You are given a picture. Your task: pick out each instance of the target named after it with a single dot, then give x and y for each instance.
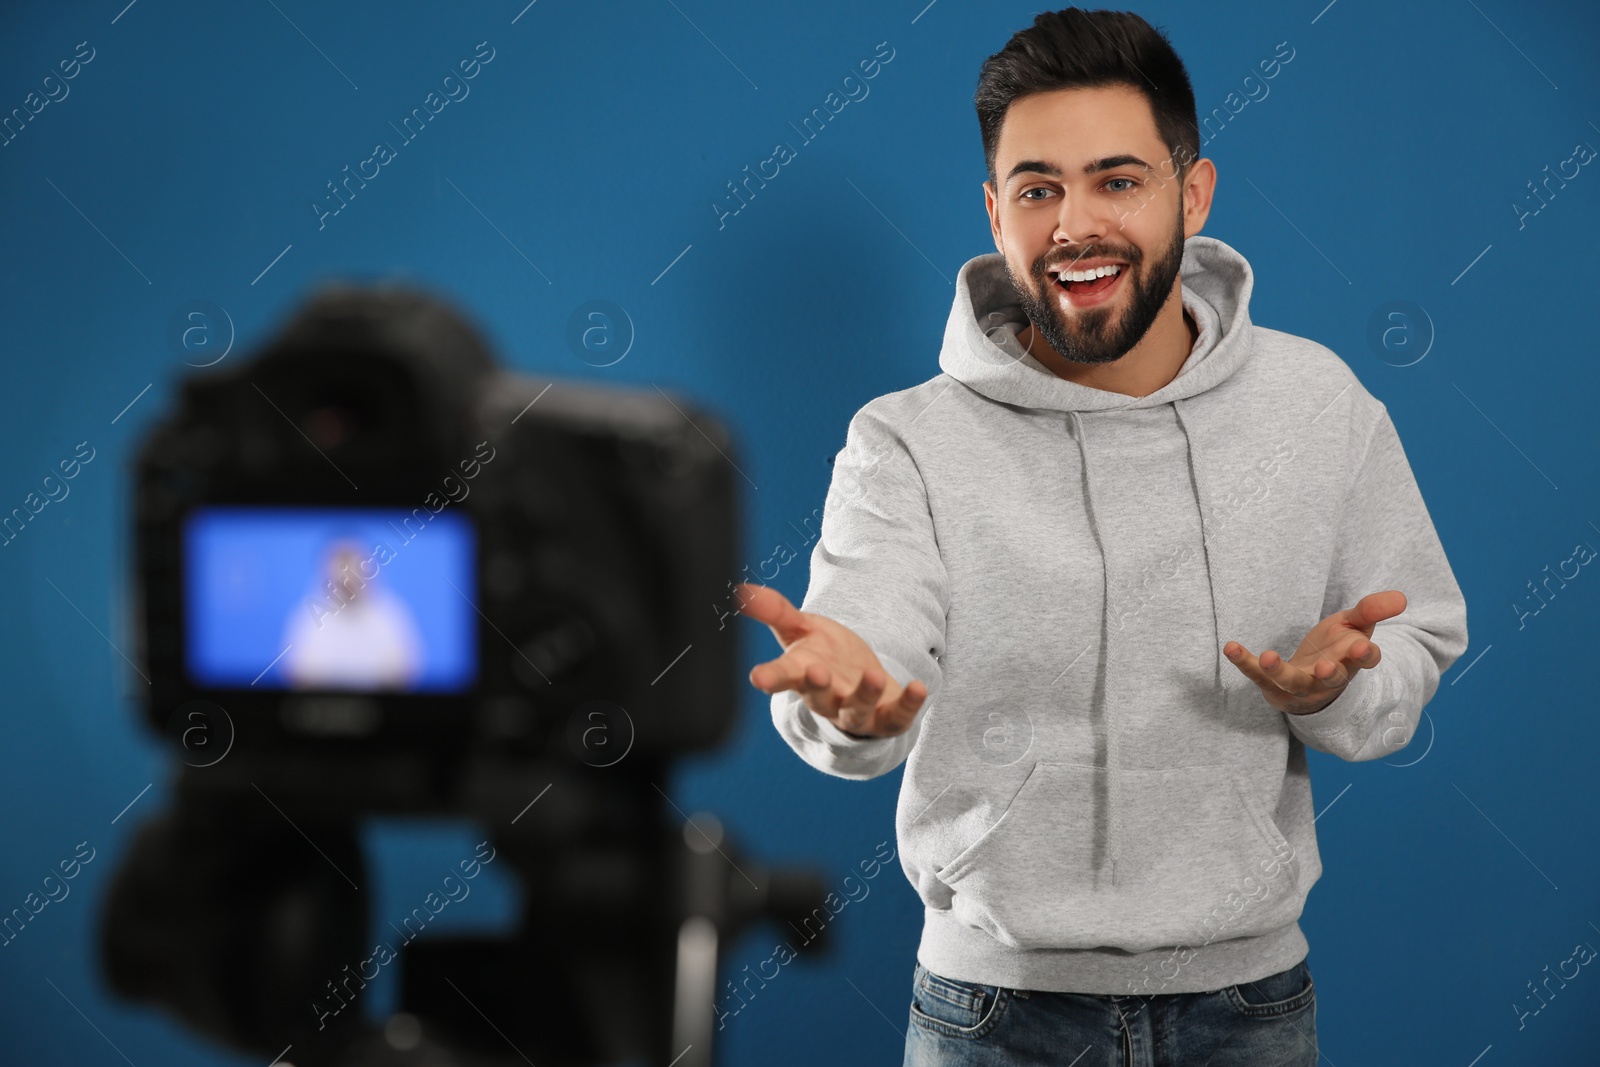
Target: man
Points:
(1042, 574)
(360, 637)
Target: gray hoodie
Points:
(1095, 799)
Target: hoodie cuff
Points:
(839, 739)
(1349, 710)
(838, 750)
(828, 748)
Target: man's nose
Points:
(1081, 220)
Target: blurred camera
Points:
(377, 575)
(371, 547)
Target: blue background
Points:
(247, 569)
(585, 166)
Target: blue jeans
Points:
(1270, 1022)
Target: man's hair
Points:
(1073, 49)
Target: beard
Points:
(1094, 335)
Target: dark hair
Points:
(1074, 48)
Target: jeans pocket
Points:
(955, 1008)
(1277, 994)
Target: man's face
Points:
(1084, 181)
(344, 569)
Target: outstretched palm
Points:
(831, 667)
(1326, 660)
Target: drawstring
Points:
(1113, 829)
(1113, 762)
(1201, 495)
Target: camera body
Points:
(376, 575)
(555, 545)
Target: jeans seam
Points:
(1299, 1002)
(979, 1029)
(955, 991)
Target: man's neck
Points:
(1141, 370)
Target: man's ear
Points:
(992, 205)
(1198, 187)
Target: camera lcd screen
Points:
(354, 599)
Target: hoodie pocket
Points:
(1195, 860)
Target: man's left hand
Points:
(1326, 660)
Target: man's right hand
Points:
(833, 670)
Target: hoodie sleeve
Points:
(1386, 540)
(876, 568)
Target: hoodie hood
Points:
(981, 349)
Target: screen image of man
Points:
(358, 636)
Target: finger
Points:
(1327, 674)
(779, 675)
(912, 697)
(858, 712)
(909, 701)
(816, 685)
(896, 716)
(857, 721)
(1286, 676)
(765, 604)
(1250, 666)
(1361, 654)
(771, 677)
(1374, 608)
(868, 690)
(859, 705)
(1364, 654)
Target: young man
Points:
(1041, 575)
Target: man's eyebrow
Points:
(1039, 166)
(1113, 162)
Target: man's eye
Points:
(1035, 189)
(1130, 185)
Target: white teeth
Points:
(1087, 275)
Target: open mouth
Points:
(1089, 281)
(1091, 286)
